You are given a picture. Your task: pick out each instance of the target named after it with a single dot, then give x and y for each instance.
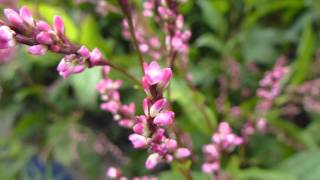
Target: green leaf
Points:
(170, 175)
(91, 36)
(210, 41)
(305, 165)
(84, 86)
(212, 16)
(304, 55)
(261, 174)
(189, 103)
(29, 124)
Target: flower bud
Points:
(37, 50)
(152, 161)
(164, 118)
(26, 15)
(14, 18)
(84, 52)
(6, 37)
(138, 140)
(58, 25)
(158, 106)
(182, 153)
(95, 56)
(44, 38)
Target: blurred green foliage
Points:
(39, 111)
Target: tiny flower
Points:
(96, 56)
(144, 48)
(155, 75)
(113, 173)
(138, 128)
(157, 107)
(84, 52)
(15, 19)
(6, 37)
(182, 153)
(211, 150)
(152, 161)
(171, 144)
(26, 15)
(138, 140)
(111, 106)
(164, 118)
(42, 26)
(37, 50)
(67, 67)
(58, 25)
(44, 38)
(210, 167)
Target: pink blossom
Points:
(152, 161)
(138, 141)
(182, 153)
(37, 50)
(6, 37)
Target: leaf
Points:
(29, 124)
(213, 17)
(305, 165)
(210, 41)
(304, 55)
(196, 117)
(201, 176)
(261, 174)
(169, 175)
(91, 37)
(84, 86)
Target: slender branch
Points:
(124, 72)
(127, 12)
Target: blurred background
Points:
(51, 128)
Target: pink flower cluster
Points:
(21, 27)
(223, 140)
(149, 129)
(115, 173)
(108, 89)
(310, 93)
(167, 13)
(251, 127)
(148, 44)
(270, 85)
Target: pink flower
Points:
(96, 56)
(138, 140)
(15, 19)
(154, 74)
(113, 173)
(171, 144)
(111, 106)
(44, 38)
(152, 161)
(6, 37)
(58, 25)
(37, 50)
(210, 167)
(26, 15)
(68, 67)
(158, 106)
(182, 153)
(164, 118)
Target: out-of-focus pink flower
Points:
(138, 141)
(182, 153)
(6, 37)
(152, 161)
